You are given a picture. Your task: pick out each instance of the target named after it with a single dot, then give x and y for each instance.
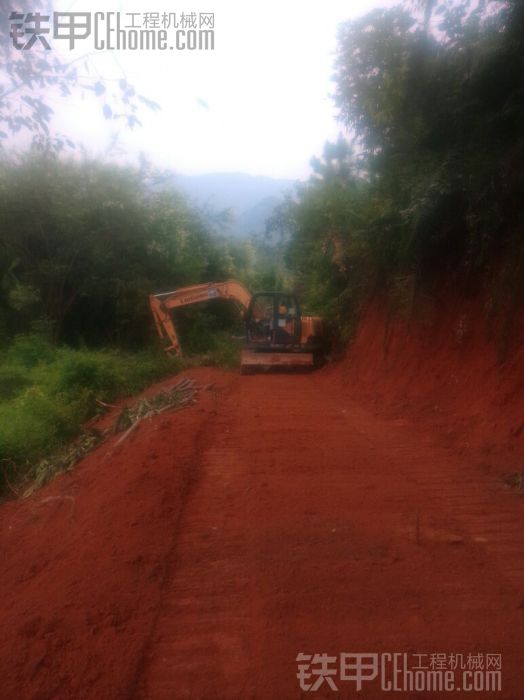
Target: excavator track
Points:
(253, 362)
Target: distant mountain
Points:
(251, 198)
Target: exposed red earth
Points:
(359, 509)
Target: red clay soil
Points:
(278, 515)
(446, 368)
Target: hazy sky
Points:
(259, 103)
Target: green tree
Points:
(84, 244)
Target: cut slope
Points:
(443, 369)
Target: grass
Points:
(223, 352)
(47, 393)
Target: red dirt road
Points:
(276, 516)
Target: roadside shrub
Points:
(47, 393)
(13, 380)
(225, 352)
(98, 372)
(29, 350)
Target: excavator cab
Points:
(272, 321)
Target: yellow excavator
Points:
(276, 334)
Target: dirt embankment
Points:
(444, 368)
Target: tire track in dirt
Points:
(474, 502)
(315, 526)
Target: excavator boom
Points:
(162, 304)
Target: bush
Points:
(225, 352)
(87, 370)
(12, 381)
(35, 423)
(29, 350)
(47, 393)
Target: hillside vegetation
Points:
(427, 193)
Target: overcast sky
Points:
(259, 103)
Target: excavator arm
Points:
(162, 304)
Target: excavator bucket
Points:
(252, 362)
